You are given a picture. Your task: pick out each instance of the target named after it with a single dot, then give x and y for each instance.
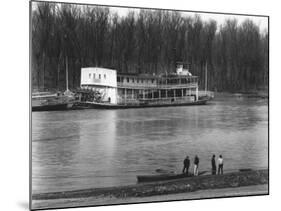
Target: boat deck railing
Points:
(155, 86)
(191, 94)
(164, 100)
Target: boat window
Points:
(128, 80)
(152, 80)
(99, 76)
(104, 76)
(137, 80)
(94, 75)
(89, 75)
(133, 80)
(118, 79)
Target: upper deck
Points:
(103, 77)
(158, 82)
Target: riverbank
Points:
(261, 94)
(201, 194)
(234, 184)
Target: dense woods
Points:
(144, 41)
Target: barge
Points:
(47, 101)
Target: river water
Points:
(100, 148)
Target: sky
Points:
(262, 22)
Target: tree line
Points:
(144, 41)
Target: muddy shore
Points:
(185, 185)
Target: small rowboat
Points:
(161, 177)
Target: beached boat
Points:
(104, 88)
(162, 177)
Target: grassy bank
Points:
(229, 180)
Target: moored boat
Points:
(162, 177)
(53, 101)
(104, 88)
(46, 101)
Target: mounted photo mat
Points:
(134, 105)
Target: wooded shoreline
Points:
(68, 36)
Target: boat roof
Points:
(143, 75)
(98, 68)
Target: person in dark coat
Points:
(196, 165)
(186, 164)
(214, 167)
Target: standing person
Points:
(186, 164)
(220, 163)
(214, 167)
(196, 164)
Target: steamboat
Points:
(106, 89)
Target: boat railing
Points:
(171, 86)
(163, 100)
(136, 85)
(44, 96)
(155, 86)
